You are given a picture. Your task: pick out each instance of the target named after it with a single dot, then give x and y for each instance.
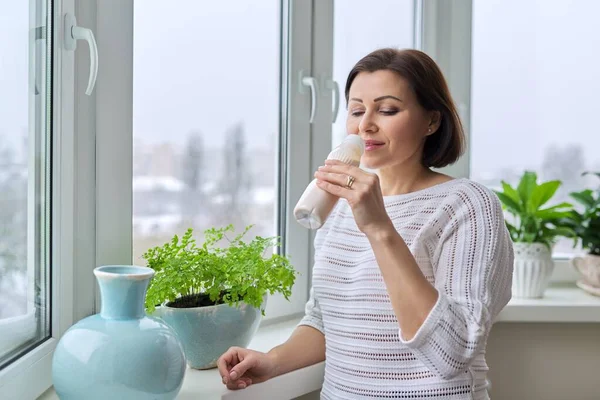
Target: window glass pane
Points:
(206, 118)
(534, 93)
(359, 28)
(25, 133)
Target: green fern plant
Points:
(532, 223)
(586, 224)
(187, 275)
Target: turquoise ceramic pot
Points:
(120, 353)
(207, 332)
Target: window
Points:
(213, 118)
(25, 177)
(206, 120)
(534, 91)
(44, 265)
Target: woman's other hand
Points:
(240, 368)
(364, 194)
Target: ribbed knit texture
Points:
(456, 232)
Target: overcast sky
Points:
(535, 70)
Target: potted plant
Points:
(533, 230)
(214, 296)
(586, 225)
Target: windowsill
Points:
(562, 303)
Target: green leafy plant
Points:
(532, 223)
(586, 224)
(187, 275)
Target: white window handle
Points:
(311, 82)
(39, 35)
(330, 84)
(72, 34)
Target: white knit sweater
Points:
(456, 233)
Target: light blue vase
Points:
(120, 353)
(208, 332)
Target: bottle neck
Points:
(123, 298)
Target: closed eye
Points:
(389, 112)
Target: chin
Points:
(372, 163)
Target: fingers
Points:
(335, 189)
(335, 178)
(226, 362)
(338, 174)
(337, 167)
(241, 383)
(240, 369)
(342, 168)
(232, 366)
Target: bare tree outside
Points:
(193, 159)
(566, 164)
(193, 177)
(235, 183)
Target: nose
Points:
(367, 123)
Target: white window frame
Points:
(295, 175)
(114, 134)
(72, 220)
(322, 64)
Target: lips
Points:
(373, 145)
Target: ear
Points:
(435, 119)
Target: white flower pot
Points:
(533, 267)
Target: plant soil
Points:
(194, 300)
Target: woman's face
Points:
(384, 111)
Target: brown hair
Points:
(446, 145)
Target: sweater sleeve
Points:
(473, 266)
(312, 311)
(312, 314)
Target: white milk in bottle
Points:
(315, 204)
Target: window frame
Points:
(294, 167)
(114, 135)
(72, 226)
(321, 133)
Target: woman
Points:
(412, 266)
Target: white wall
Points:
(544, 361)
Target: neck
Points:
(123, 298)
(404, 178)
